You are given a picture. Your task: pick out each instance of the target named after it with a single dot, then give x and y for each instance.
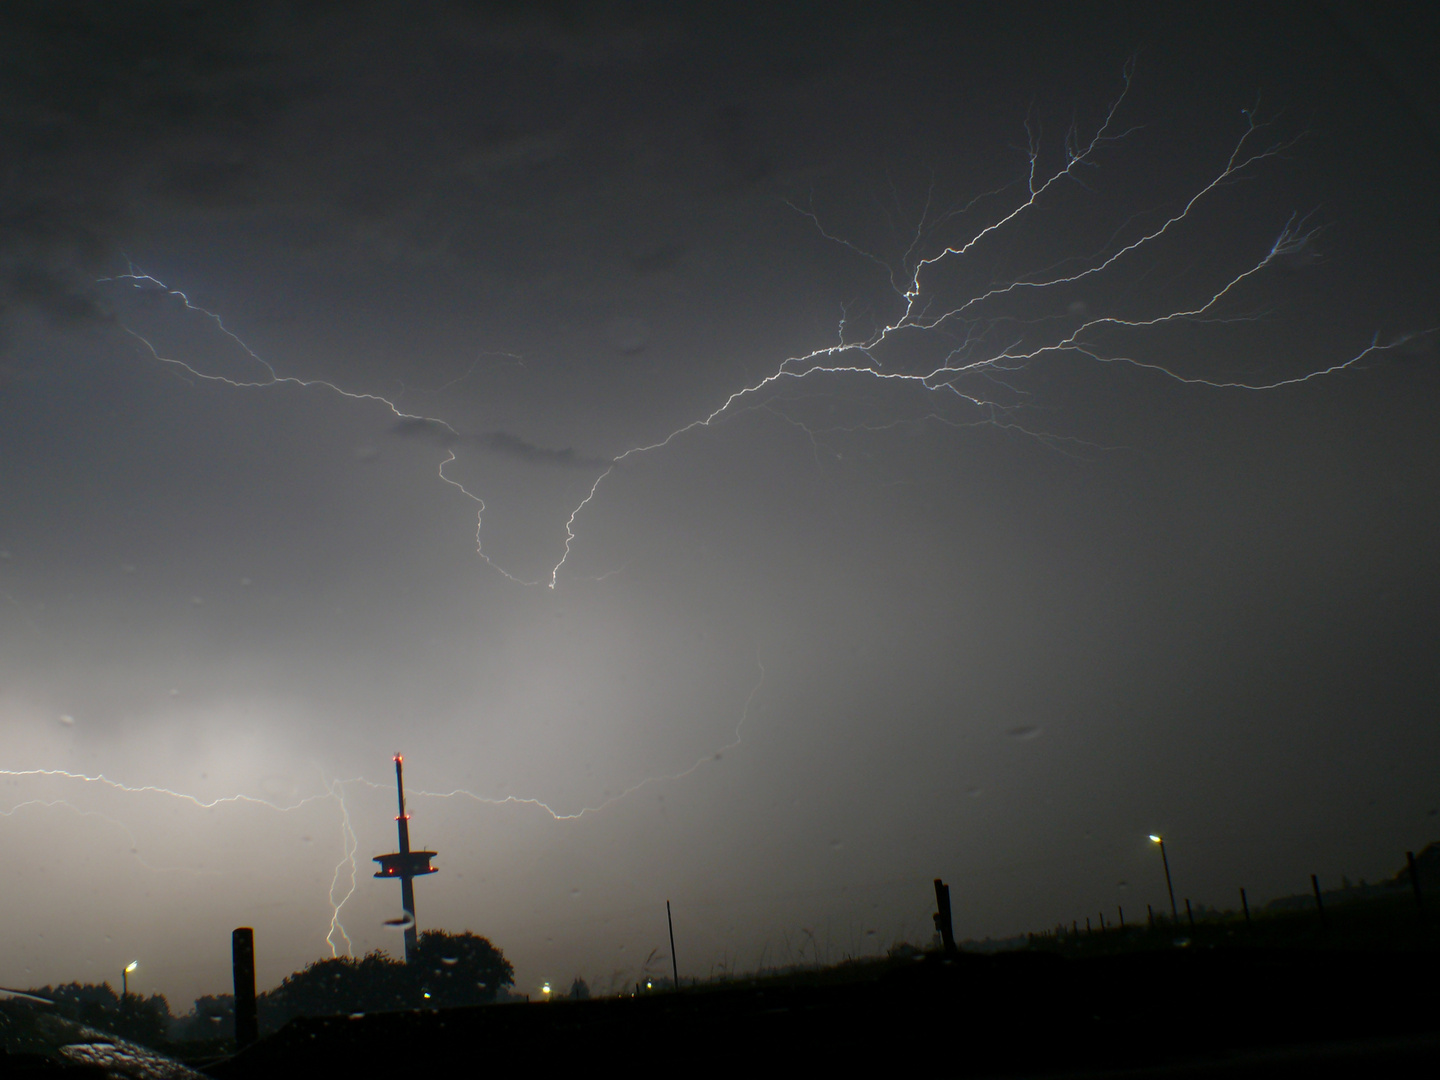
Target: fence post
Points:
(242, 957)
(942, 918)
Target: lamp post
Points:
(1174, 912)
(125, 978)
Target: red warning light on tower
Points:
(406, 865)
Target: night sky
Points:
(987, 606)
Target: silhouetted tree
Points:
(211, 1017)
(140, 1019)
(460, 969)
(450, 969)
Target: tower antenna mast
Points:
(406, 865)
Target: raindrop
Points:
(836, 845)
(197, 600)
(405, 921)
(67, 719)
(574, 893)
(974, 792)
(245, 581)
(1025, 731)
(127, 568)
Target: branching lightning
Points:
(335, 790)
(980, 362)
(980, 347)
(349, 845)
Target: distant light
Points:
(545, 989)
(427, 993)
(131, 966)
(649, 985)
(1155, 838)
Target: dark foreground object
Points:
(1172, 1013)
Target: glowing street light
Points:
(125, 977)
(1174, 913)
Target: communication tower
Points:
(406, 865)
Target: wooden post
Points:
(1244, 903)
(943, 922)
(1189, 914)
(242, 956)
(1415, 883)
(1122, 915)
(674, 965)
(1319, 904)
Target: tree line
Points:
(449, 970)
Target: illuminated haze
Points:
(998, 643)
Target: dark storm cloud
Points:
(495, 442)
(502, 442)
(101, 107)
(415, 427)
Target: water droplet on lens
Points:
(1025, 731)
(67, 719)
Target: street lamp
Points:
(1174, 913)
(125, 978)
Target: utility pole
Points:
(674, 964)
(1174, 911)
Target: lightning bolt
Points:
(335, 790)
(138, 279)
(856, 358)
(348, 847)
(983, 349)
(977, 362)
